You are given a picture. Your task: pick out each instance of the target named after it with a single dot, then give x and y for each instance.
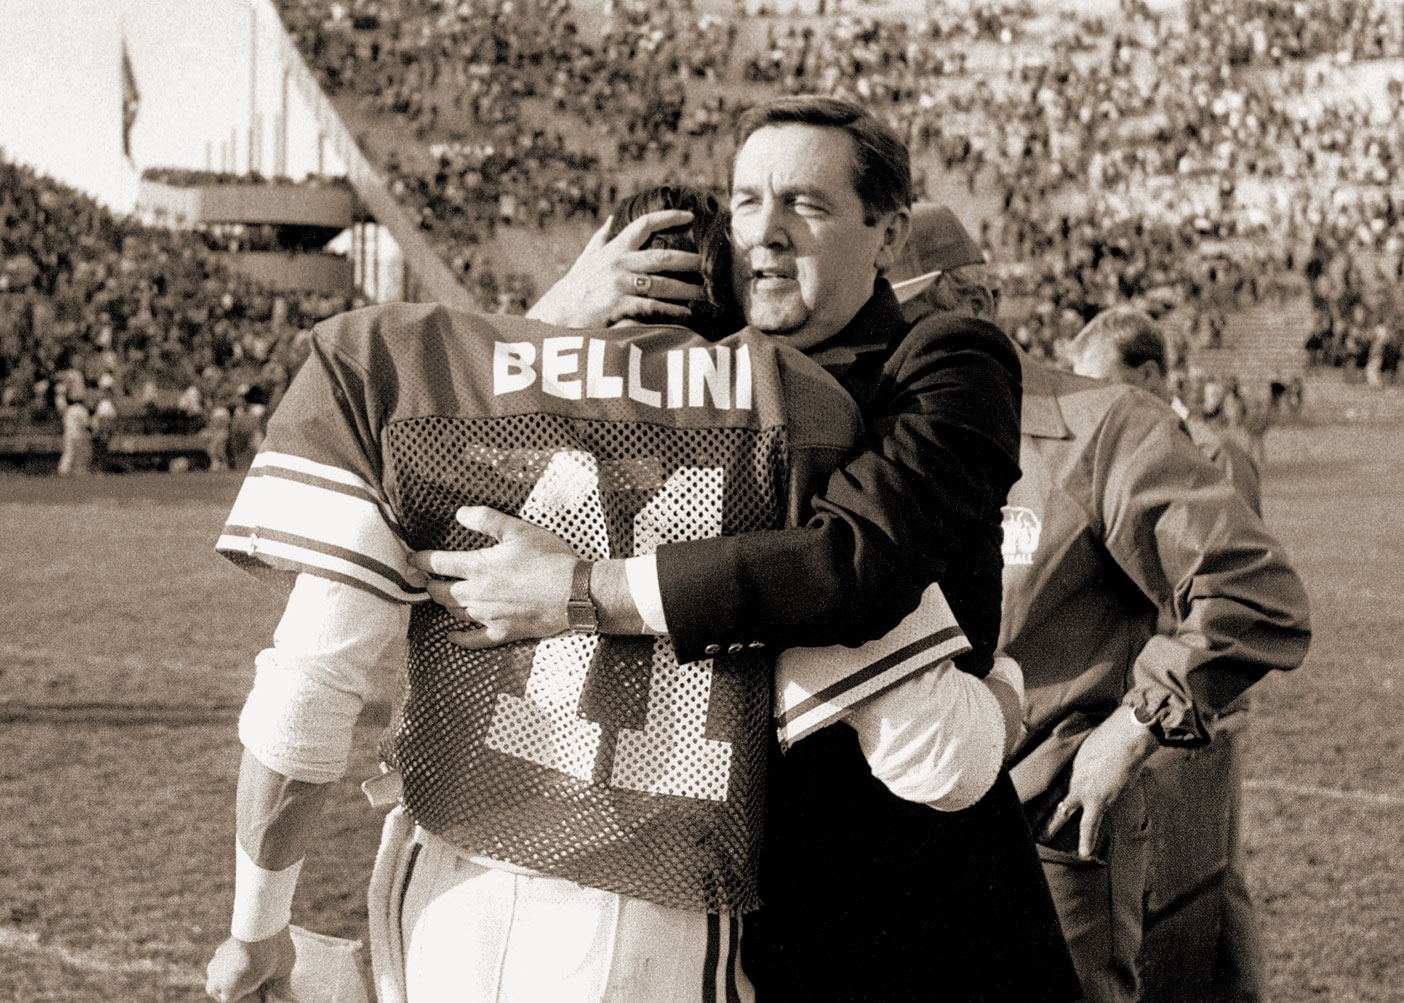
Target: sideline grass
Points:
(116, 872)
(1326, 871)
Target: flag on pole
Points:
(131, 100)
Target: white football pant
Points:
(469, 933)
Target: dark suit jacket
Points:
(872, 899)
(869, 897)
(918, 500)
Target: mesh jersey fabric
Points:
(598, 759)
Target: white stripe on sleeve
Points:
(814, 687)
(298, 515)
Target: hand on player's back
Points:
(514, 590)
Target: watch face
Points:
(581, 617)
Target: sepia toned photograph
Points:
(701, 501)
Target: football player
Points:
(581, 814)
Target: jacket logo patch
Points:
(1021, 531)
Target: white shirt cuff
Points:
(1006, 670)
(642, 575)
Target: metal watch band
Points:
(580, 608)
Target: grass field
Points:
(128, 646)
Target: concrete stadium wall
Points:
(329, 273)
(330, 206)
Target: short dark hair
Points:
(708, 235)
(1130, 331)
(882, 166)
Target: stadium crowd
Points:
(1193, 158)
(133, 324)
(1193, 163)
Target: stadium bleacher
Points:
(1212, 160)
(94, 308)
(1050, 125)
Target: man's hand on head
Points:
(615, 280)
(514, 590)
(1106, 764)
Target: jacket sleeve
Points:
(1239, 468)
(937, 459)
(1182, 532)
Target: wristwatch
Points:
(580, 608)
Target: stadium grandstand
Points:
(1233, 166)
(149, 329)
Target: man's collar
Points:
(877, 327)
(1042, 416)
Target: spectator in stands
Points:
(77, 456)
(104, 423)
(216, 438)
(245, 433)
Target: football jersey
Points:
(599, 759)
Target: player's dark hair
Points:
(708, 235)
(882, 167)
(1132, 332)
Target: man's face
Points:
(803, 259)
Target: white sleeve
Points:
(938, 737)
(642, 575)
(332, 643)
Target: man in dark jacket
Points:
(869, 897)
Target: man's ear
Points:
(1148, 376)
(896, 227)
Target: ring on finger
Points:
(642, 284)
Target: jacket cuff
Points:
(1171, 720)
(699, 600)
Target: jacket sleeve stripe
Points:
(817, 686)
(830, 705)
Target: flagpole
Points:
(123, 163)
(253, 78)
